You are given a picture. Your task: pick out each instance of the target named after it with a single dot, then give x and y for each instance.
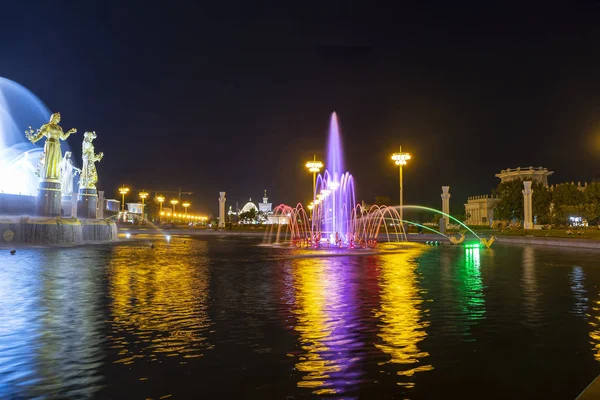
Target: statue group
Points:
(57, 172)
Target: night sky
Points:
(237, 97)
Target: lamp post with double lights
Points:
(123, 190)
(400, 159)
(174, 203)
(314, 166)
(160, 199)
(143, 195)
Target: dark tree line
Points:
(549, 206)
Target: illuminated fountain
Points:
(19, 158)
(337, 220)
(33, 206)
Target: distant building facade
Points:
(264, 210)
(479, 210)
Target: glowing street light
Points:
(123, 190)
(143, 194)
(314, 166)
(174, 203)
(185, 205)
(160, 199)
(400, 158)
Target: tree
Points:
(591, 211)
(510, 204)
(567, 199)
(248, 216)
(540, 202)
(262, 217)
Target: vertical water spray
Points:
(336, 190)
(19, 108)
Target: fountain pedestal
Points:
(48, 199)
(87, 203)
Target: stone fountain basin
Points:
(55, 230)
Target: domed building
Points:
(249, 206)
(263, 212)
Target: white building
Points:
(265, 206)
(479, 210)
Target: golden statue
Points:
(89, 176)
(50, 171)
(488, 242)
(455, 240)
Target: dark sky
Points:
(237, 97)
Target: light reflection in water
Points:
(401, 314)
(472, 286)
(577, 279)
(594, 321)
(159, 300)
(325, 321)
(530, 289)
(51, 325)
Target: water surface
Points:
(220, 316)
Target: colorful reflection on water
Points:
(159, 301)
(325, 320)
(472, 286)
(402, 314)
(227, 319)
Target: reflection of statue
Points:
(67, 173)
(89, 176)
(52, 155)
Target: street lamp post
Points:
(185, 206)
(123, 190)
(314, 166)
(143, 194)
(174, 203)
(160, 200)
(400, 158)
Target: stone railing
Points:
(483, 196)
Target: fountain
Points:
(19, 158)
(32, 204)
(336, 220)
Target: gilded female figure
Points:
(52, 154)
(89, 176)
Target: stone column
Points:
(222, 209)
(527, 207)
(87, 203)
(48, 198)
(446, 203)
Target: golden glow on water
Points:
(401, 313)
(595, 330)
(159, 300)
(312, 284)
(325, 320)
